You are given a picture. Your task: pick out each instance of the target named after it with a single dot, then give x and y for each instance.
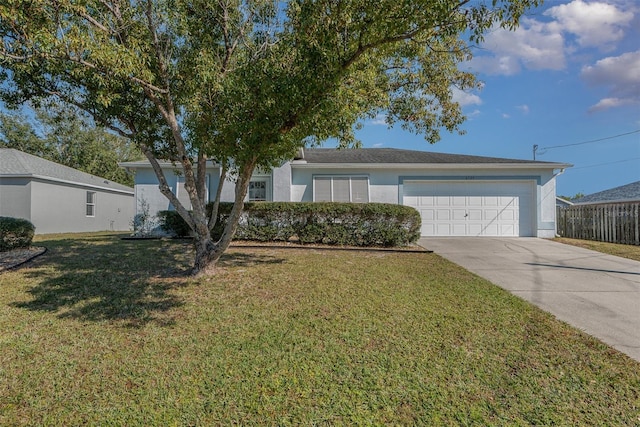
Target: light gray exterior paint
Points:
(293, 181)
(54, 197)
(386, 185)
(15, 197)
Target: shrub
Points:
(15, 233)
(143, 223)
(172, 223)
(351, 224)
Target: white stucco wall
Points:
(146, 188)
(385, 185)
(60, 208)
(294, 182)
(15, 197)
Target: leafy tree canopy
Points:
(244, 82)
(66, 136)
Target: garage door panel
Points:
(490, 201)
(475, 214)
(443, 229)
(443, 214)
(473, 209)
(427, 214)
(443, 201)
(507, 215)
(459, 229)
(459, 214)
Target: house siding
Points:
(15, 197)
(385, 186)
(60, 208)
(294, 182)
(147, 190)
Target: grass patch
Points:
(102, 331)
(624, 251)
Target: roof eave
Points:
(606, 202)
(466, 166)
(164, 165)
(64, 181)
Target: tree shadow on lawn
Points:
(105, 278)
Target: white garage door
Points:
(479, 208)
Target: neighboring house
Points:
(563, 203)
(624, 193)
(456, 195)
(57, 198)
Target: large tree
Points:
(244, 82)
(66, 136)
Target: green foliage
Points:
(572, 198)
(247, 82)
(104, 333)
(15, 233)
(171, 222)
(67, 137)
(351, 224)
(143, 222)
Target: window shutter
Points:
(359, 190)
(322, 189)
(341, 190)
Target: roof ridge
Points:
(17, 156)
(57, 171)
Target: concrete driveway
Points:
(597, 293)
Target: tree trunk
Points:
(209, 252)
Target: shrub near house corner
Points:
(352, 224)
(15, 233)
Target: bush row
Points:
(352, 224)
(15, 233)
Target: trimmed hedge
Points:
(15, 233)
(172, 223)
(351, 224)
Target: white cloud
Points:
(505, 116)
(538, 45)
(378, 145)
(607, 103)
(534, 45)
(379, 120)
(524, 108)
(621, 74)
(595, 24)
(465, 98)
(474, 113)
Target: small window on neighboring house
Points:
(91, 203)
(341, 189)
(257, 191)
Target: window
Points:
(257, 191)
(91, 203)
(341, 189)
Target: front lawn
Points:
(102, 331)
(624, 251)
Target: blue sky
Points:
(569, 74)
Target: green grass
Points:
(624, 251)
(101, 331)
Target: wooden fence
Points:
(607, 222)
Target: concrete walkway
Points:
(597, 293)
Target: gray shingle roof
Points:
(17, 163)
(628, 192)
(395, 155)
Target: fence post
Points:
(606, 222)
